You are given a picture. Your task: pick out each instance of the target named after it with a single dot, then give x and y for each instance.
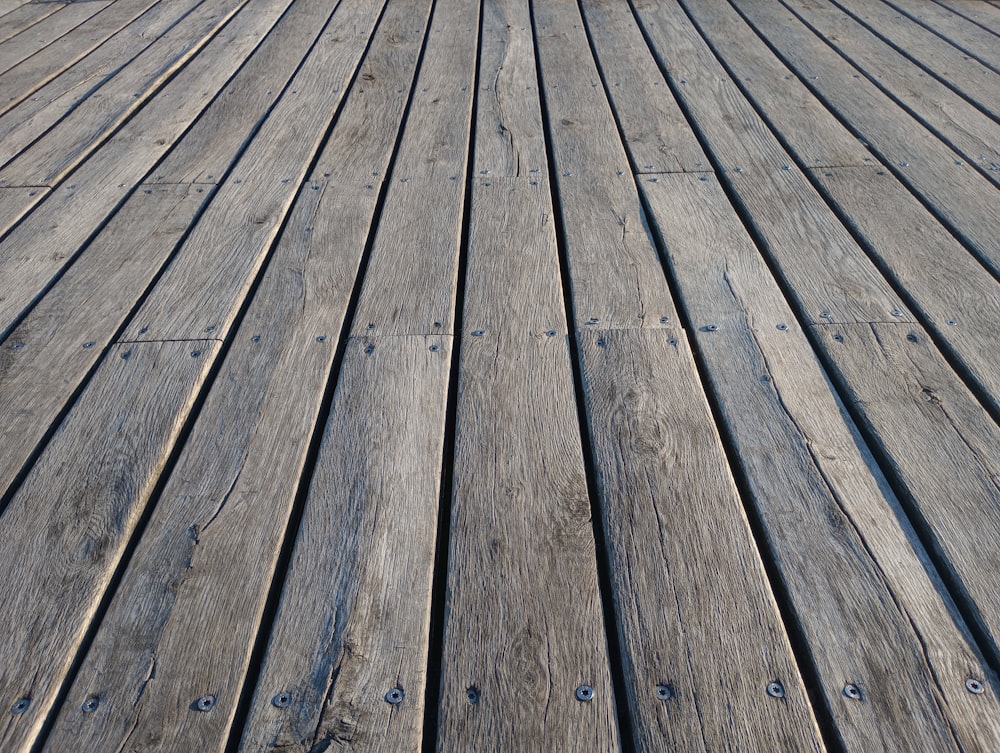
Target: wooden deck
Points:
(436, 375)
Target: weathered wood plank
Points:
(47, 30)
(69, 217)
(65, 530)
(522, 546)
(18, 16)
(634, 380)
(239, 469)
(957, 298)
(67, 333)
(202, 293)
(52, 157)
(870, 609)
(971, 78)
(961, 197)
(969, 131)
(30, 74)
(983, 14)
(939, 441)
(958, 30)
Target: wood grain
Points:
(48, 29)
(983, 14)
(68, 331)
(871, 609)
(967, 130)
(940, 443)
(962, 197)
(65, 530)
(18, 16)
(957, 30)
(69, 217)
(412, 276)
(957, 298)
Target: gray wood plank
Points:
(47, 30)
(635, 378)
(957, 298)
(962, 197)
(974, 80)
(202, 293)
(69, 217)
(522, 547)
(239, 470)
(939, 441)
(53, 156)
(31, 74)
(984, 14)
(969, 131)
(64, 531)
(18, 16)
(870, 607)
(959, 31)
(67, 333)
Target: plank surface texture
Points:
(500, 375)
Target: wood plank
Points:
(377, 482)
(68, 332)
(65, 530)
(47, 30)
(53, 156)
(202, 293)
(940, 442)
(522, 548)
(31, 74)
(666, 613)
(971, 39)
(957, 299)
(71, 215)
(961, 197)
(973, 80)
(870, 608)
(20, 16)
(240, 468)
(972, 133)
(983, 14)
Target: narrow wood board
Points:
(702, 635)
(52, 157)
(202, 293)
(957, 298)
(940, 443)
(238, 472)
(523, 626)
(410, 287)
(983, 14)
(972, 133)
(47, 30)
(961, 196)
(29, 75)
(360, 575)
(18, 16)
(616, 278)
(975, 81)
(868, 604)
(80, 206)
(66, 334)
(959, 31)
(65, 530)
(661, 141)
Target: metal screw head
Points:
(16, 346)
(711, 327)
(951, 322)
(776, 689)
(896, 312)
(584, 693)
(825, 314)
(478, 333)
(435, 348)
(664, 319)
(91, 704)
(321, 339)
(394, 696)
(664, 692)
(255, 339)
(782, 327)
(281, 700)
(205, 703)
(195, 353)
(369, 349)
(852, 691)
(974, 686)
(89, 344)
(20, 706)
(472, 695)
(550, 333)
